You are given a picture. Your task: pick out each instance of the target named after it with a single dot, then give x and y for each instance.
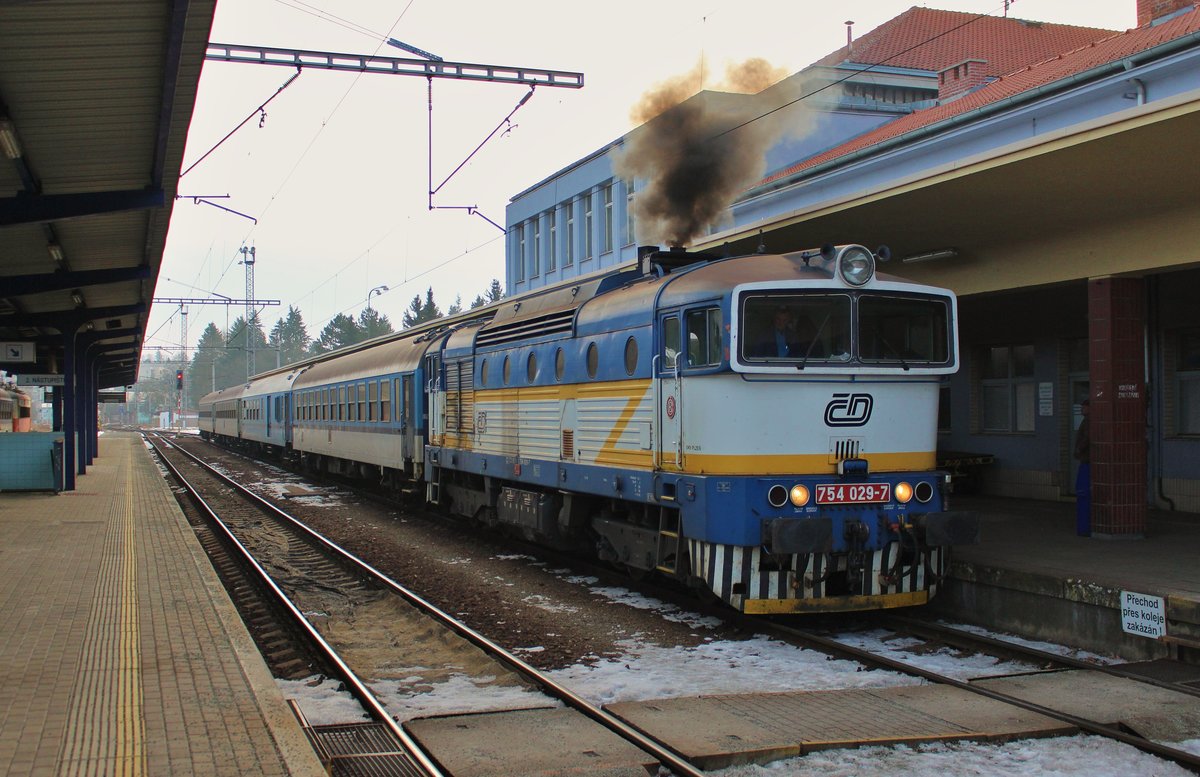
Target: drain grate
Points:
(363, 750)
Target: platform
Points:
(1032, 575)
(122, 654)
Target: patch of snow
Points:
(758, 665)
(1076, 756)
(323, 701)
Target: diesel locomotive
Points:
(760, 427)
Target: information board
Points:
(1143, 615)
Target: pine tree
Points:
(495, 292)
(201, 375)
(456, 308)
(340, 332)
(372, 324)
(289, 337)
(419, 313)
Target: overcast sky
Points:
(337, 174)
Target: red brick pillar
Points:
(1116, 353)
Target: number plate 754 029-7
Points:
(851, 493)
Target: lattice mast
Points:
(248, 260)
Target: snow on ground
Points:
(1081, 756)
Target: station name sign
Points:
(39, 380)
(1143, 615)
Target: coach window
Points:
(362, 402)
(704, 337)
(560, 364)
(385, 401)
(372, 400)
(593, 360)
(324, 404)
(670, 354)
(531, 368)
(631, 354)
(343, 412)
(1007, 390)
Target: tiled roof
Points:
(929, 39)
(1058, 67)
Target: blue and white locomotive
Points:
(763, 427)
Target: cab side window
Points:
(704, 337)
(670, 354)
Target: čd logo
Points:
(849, 410)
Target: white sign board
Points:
(18, 352)
(1143, 615)
(40, 380)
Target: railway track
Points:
(957, 638)
(834, 647)
(300, 567)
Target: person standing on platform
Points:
(1083, 479)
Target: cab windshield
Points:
(844, 329)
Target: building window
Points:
(569, 259)
(552, 256)
(630, 223)
(1187, 377)
(537, 247)
(587, 226)
(520, 252)
(608, 219)
(1007, 390)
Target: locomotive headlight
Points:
(904, 492)
(799, 495)
(856, 265)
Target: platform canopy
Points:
(95, 101)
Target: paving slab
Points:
(715, 732)
(1156, 713)
(549, 742)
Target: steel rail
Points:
(676, 762)
(421, 759)
(828, 645)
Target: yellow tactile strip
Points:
(105, 728)
(126, 657)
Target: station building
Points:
(1038, 170)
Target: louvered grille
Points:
(551, 323)
(844, 448)
(460, 396)
(568, 444)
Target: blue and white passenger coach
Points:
(761, 426)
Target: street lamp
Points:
(373, 292)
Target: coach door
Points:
(436, 391)
(669, 450)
